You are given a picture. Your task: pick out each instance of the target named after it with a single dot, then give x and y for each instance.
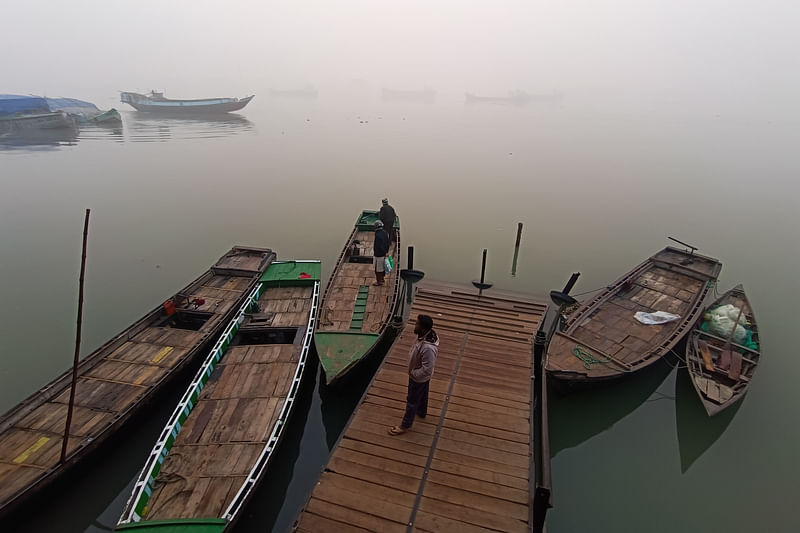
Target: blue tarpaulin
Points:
(68, 104)
(13, 104)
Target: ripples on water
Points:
(136, 127)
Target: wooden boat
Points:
(722, 370)
(117, 379)
(602, 339)
(216, 446)
(355, 314)
(513, 97)
(155, 102)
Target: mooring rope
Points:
(587, 357)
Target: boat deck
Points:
(221, 440)
(338, 307)
(466, 466)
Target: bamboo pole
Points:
(77, 342)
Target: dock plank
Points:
(466, 466)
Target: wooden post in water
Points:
(77, 342)
(516, 249)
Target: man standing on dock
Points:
(387, 216)
(421, 360)
(379, 250)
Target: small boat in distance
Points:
(603, 339)
(155, 102)
(355, 314)
(120, 377)
(427, 95)
(721, 367)
(222, 435)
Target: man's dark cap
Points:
(425, 321)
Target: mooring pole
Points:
(480, 285)
(516, 249)
(411, 258)
(483, 266)
(77, 342)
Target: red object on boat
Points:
(303, 275)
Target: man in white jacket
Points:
(421, 361)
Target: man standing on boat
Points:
(387, 216)
(379, 251)
(421, 360)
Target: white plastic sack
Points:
(721, 322)
(659, 317)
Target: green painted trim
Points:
(367, 221)
(339, 351)
(178, 525)
(288, 273)
(357, 322)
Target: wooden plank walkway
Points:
(466, 466)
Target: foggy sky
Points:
(719, 56)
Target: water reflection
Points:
(696, 430)
(144, 127)
(102, 132)
(582, 414)
(38, 140)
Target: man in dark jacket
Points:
(379, 251)
(421, 360)
(387, 216)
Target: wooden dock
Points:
(468, 465)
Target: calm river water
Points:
(598, 192)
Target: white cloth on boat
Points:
(659, 317)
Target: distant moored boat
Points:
(155, 102)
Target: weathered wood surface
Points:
(465, 467)
(605, 329)
(234, 417)
(114, 380)
(340, 297)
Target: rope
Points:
(587, 357)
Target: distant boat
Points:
(425, 95)
(513, 97)
(84, 112)
(720, 368)
(307, 92)
(25, 113)
(355, 314)
(603, 339)
(155, 102)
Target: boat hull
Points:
(602, 340)
(165, 106)
(716, 388)
(57, 120)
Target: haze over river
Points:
(600, 179)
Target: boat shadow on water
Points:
(696, 430)
(147, 127)
(38, 140)
(588, 411)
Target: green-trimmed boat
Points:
(355, 314)
(217, 445)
